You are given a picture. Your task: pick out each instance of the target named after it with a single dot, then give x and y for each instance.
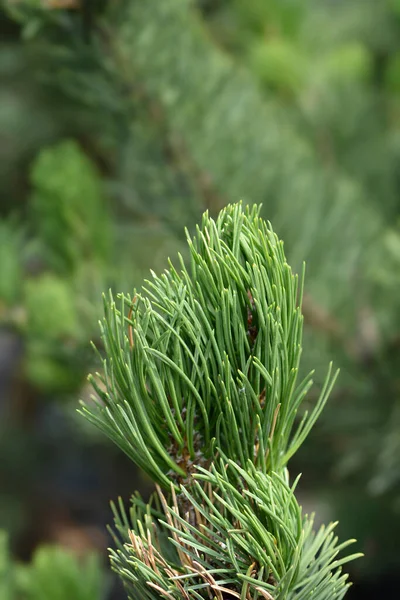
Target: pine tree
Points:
(200, 389)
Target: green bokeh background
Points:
(120, 123)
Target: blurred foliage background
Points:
(120, 123)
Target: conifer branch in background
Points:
(200, 389)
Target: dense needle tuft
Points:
(208, 353)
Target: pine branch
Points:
(199, 388)
(216, 347)
(162, 53)
(248, 539)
